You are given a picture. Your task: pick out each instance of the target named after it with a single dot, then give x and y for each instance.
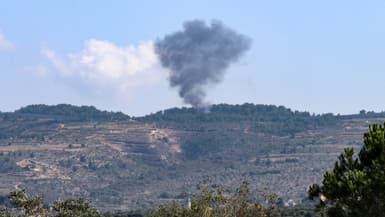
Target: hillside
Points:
(66, 112)
(127, 163)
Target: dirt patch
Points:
(41, 170)
(51, 147)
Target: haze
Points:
(318, 56)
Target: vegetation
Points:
(215, 201)
(114, 159)
(74, 207)
(211, 201)
(224, 118)
(70, 112)
(365, 114)
(219, 202)
(114, 163)
(29, 206)
(267, 118)
(356, 186)
(8, 165)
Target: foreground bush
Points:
(218, 202)
(209, 202)
(28, 206)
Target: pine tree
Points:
(356, 186)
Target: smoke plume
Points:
(198, 56)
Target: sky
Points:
(319, 56)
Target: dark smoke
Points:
(198, 56)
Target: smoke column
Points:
(198, 56)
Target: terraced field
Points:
(131, 164)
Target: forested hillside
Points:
(122, 162)
(68, 112)
(266, 118)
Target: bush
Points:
(218, 202)
(28, 206)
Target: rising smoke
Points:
(198, 56)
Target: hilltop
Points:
(123, 162)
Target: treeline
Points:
(213, 113)
(210, 201)
(267, 118)
(71, 113)
(365, 114)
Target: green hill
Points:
(266, 118)
(71, 113)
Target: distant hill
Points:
(267, 118)
(71, 113)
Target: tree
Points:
(219, 202)
(356, 186)
(30, 206)
(75, 207)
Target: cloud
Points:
(4, 43)
(105, 66)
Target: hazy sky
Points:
(320, 56)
